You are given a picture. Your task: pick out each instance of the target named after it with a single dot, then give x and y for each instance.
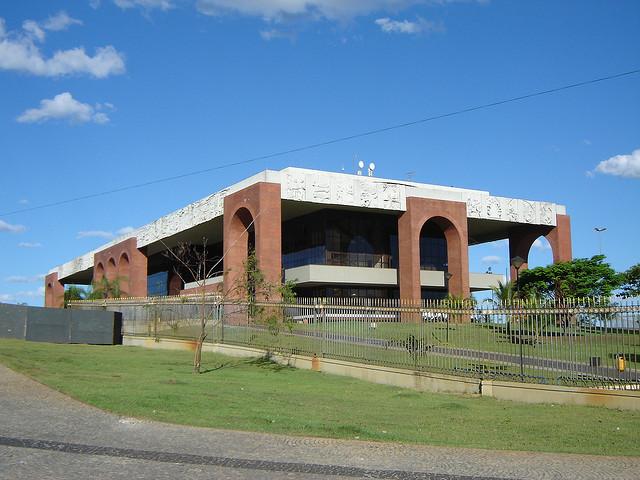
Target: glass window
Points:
(158, 284)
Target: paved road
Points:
(44, 434)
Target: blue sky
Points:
(96, 95)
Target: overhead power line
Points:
(323, 144)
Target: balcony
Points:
(369, 260)
(320, 256)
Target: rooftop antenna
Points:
(360, 167)
(372, 167)
(410, 175)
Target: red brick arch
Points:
(521, 240)
(98, 273)
(53, 291)
(451, 217)
(256, 207)
(125, 262)
(124, 267)
(112, 269)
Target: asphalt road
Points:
(44, 434)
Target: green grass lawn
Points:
(254, 394)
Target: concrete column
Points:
(257, 207)
(53, 291)
(451, 217)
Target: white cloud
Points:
(33, 29)
(21, 296)
(23, 201)
(104, 233)
(419, 26)
(146, 4)
(541, 244)
(621, 165)
(327, 9)
(60, 21)
(94, 234)
(24, 279)
(19, 52)
(275, 34)
(101, 118)
(491, 259)
(7, 227)
(63, 107)
(94, 4)
(30, 245)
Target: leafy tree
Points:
(257, 288)
(631, 279)
(579, 278)
(73, 293)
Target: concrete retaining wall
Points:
(422, 381)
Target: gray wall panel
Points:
(13, 320)
(92, 327)
(48, 325)
(58, 325)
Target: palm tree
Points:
(503, 294)
(105, 288)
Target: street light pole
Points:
(447, 277)
(599, 231)
(517, 262)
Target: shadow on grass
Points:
(219, 367)
(266, 363)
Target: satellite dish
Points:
(360, 164)
(372, 166)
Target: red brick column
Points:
(452, 218)
(125, 262)
(521, 239)
(560, 239)
(175, 284)
(260, 204)
(53, 291)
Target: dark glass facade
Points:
(158, 284)
(331, 237)
(433, 248)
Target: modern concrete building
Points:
(333, 234)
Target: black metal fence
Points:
(592, 342)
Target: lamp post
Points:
(599, 231)
(447, 277)
(517, 262)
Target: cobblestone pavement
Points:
(44, 434)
